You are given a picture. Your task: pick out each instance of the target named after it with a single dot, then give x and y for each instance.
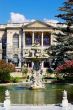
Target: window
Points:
(16, 60)
(28, 63)
(37, 38)
(4, 43)
(46, 64)
(28, 38)
(46, 39)
(16, 41)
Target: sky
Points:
(19, 11)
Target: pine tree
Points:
(63, 50)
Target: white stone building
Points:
(16, 39)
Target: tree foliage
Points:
(63, 50)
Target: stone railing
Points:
(63, 106)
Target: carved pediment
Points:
(38, 24)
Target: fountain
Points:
(38, 55)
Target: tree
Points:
(5, 69)
(63, 50)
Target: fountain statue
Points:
(7, 100)
(65, 100)
(38, 55)
(37, 77)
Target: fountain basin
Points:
(51, 94)
(37, 87)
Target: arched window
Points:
(4, 43)
(16, 60)
(16, 40)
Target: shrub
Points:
(10, 67)
(49, 70)
(66, 70)
(4, 76)
(67, 67)
(14, 79)
(5, 69)
(24, 70)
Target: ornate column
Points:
(42, 49)
(42, 40)
(32, 64)
(24, 43)
(52, 38)
(42, 64)
(32, 37)
(19, 50)
(32, 44)
(23, 39)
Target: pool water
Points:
(52, 94)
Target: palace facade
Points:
(16, 40)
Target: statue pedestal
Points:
(37, 80)
(65, 100)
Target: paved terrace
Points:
(37, 107)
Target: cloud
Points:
(18, 18)
(51, 20)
